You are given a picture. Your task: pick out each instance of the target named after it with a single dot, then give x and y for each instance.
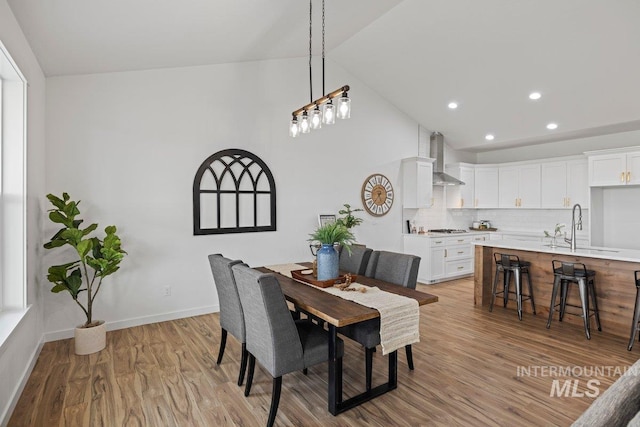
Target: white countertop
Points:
(629, 255)
(468, 233)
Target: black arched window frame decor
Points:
(228, 158)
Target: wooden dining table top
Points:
(339, 311)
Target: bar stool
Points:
(507, 265)
(574, 272)
(636, 312)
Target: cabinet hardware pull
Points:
(461, 267)
(564, 202)
(460, 252)
(622, 177)
(445, 253)
(568, 202)
(438, 241)
(516, 202)
(628, 176)
(460, 240)
(461, 203)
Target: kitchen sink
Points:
(585, 248)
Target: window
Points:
(13, 88)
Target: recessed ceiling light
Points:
(535, 95)
(489, 137)
(552, 126)
(453, 105)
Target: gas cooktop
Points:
(447, 230)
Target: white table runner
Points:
(399, 315)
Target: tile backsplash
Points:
(526, 220)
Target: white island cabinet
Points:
(443, 256)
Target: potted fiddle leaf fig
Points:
(96, 258)
(328, 235)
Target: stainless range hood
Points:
(437, 152)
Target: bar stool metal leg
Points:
(495, 288)
(507, 279)
(592, 289)
(584, 300)
(518, 279)
(564, 290)
(636, 319)
(554, 293)
(533, 304)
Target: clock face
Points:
(377, 195)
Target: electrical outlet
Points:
(167, 291)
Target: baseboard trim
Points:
(15, 397)
(137, 321)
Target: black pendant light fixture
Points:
(311, 117)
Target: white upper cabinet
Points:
(417, 179)
(563, 184)
(614, 169)
(485, 187)
(519, 186)
(461, 196)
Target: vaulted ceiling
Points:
(582, 56)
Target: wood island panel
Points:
(614, 284)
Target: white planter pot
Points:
(90, 340)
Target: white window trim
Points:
(13, 289)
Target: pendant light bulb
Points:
(294, 127)
(344, 106)
(329, 116)
(316, 118)
(305, 126)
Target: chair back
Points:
(569, 270)
(272, 336)
(357, 261)
(396, 268)
(506, 260)
(231, 316)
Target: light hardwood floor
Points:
(466, 373)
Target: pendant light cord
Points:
(323, 90)
(310, 74)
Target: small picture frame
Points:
(326, 219)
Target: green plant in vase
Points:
(556, 232)
(328, 235)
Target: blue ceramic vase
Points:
(327, 262)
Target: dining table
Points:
(338, 312)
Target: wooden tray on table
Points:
(308, 278)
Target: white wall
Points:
(19, 351)
(129, 144)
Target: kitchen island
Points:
(614, 280)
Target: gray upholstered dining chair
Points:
(281, 344)
(231, 316)
(356, 261)
(396, 268)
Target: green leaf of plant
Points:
(57, 217)
(84, 247)
(89, 229)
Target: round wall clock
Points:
(377, 194)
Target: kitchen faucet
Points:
(574, 226)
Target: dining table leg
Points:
(335, 372)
